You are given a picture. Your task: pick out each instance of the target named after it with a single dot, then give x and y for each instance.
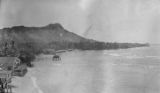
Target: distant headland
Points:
(35, 40)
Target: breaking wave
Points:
(131, 56)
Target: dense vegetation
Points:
(9, 49)
(27, 51)
(92, 45)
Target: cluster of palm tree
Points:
(8, 49)
(89, 45)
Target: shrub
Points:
(27, 57)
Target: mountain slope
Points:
(46, 34)
(54, 36)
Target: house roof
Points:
(9, 60)
(6, 62)
(5, 74)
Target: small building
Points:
(7, 65)
(5, 80)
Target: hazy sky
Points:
(105, 20)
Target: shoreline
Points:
(82, 70)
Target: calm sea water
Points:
(134, 70)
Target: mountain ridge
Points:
(55, 36)
(50, 32)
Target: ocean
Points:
(135, 70)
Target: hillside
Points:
(46, 34)
(54, 36)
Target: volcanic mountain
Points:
(50, 33)
(54, 36)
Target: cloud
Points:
(107, 20)
(85, 4)
(125, 20)
(43, 12)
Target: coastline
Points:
(81, 71)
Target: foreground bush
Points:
(27, 57)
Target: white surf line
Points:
(36, 85)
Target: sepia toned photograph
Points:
(79, 46)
